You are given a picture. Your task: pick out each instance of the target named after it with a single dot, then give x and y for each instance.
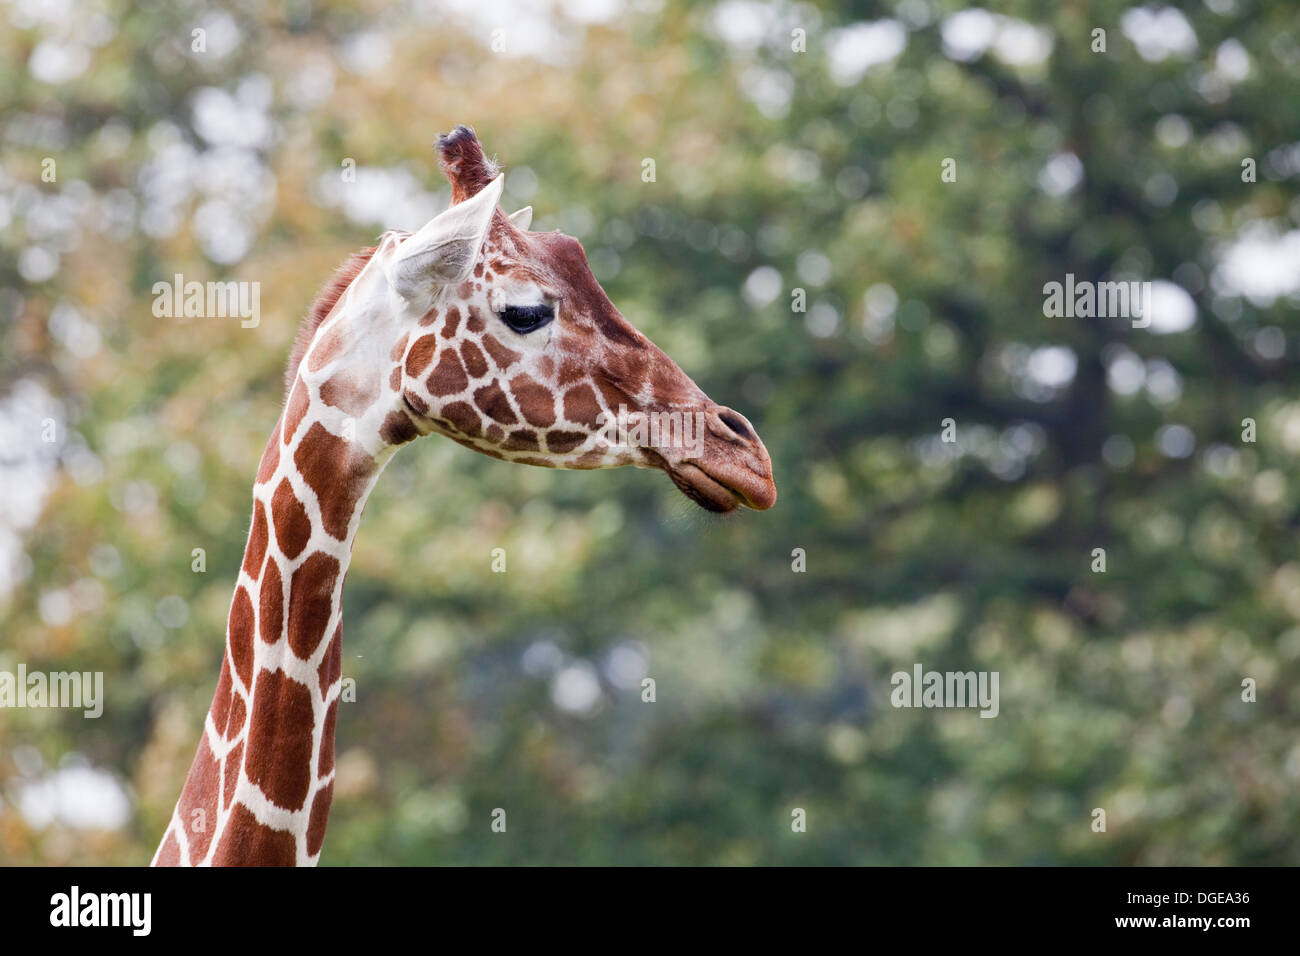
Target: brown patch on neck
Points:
(294, 411)
(279, 754)
(170, 854)
(234, 764)
(311, 601)
(201, 788)
(240, 635)
(329, 346)
(325, 759)
(220, 709)
(246, 842)
(270, 458)
(349, 393)
(331, 666)
(320, 811)
(326, 299)
(257, 539)
(271, 603)
(235, 721)
(292, 526)
(336, 470)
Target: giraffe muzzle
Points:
(733, 468)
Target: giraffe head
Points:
(503, 340)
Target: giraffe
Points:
(472, 327)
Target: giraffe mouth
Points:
(709, 494)
(713, 493)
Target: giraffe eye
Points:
(527, 318)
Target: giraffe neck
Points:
(259, 789)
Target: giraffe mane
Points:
(326, 299)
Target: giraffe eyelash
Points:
(527, 318)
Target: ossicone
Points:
(464, 164)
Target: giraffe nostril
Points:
(733, 421)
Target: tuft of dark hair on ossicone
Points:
(463, 162)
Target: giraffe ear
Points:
(522, 219)
(444, 250)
